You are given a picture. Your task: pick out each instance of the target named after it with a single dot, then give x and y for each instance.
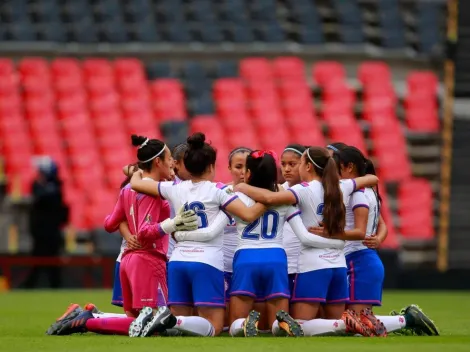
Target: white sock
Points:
(323, 327)
(236, 329)
(392, 322)
(109, 315)
(194, 326)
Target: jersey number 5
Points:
(198, 208)
(269, 224)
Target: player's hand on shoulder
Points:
(318, 230)
(241, 187)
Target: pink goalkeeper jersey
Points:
(143, 214)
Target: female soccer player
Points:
(236, 166)
(290, 162)
(195, 270)
(260, 263)
(320, 201)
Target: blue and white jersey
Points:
(207, 199)
(309, 198)
(171, 242)
(291, 244)
(267, 230)
(365, 198)
(121, 251)
(230, 243)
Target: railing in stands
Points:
(447, 131)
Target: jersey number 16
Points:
(198, 208)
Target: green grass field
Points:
(25, 316)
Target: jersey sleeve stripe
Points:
(295, 195)
(159, 192)
(292, 215)
(228, 202)
(354, 184)
(360, 206)
(160, 230)
(228, 215)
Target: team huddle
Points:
(293, 259)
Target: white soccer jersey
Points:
(267, 230)
(362, 198)
(291, 244)
(310, 201)
(171, 242)
(230, 243)
(207, 199)
(121, 251)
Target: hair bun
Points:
(137, 140)
(196, 141)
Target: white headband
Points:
(293, 150)
(314, 163)
(144, 143)
(153, 157)
(333, 148)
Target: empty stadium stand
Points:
(82, 112)
(78, 77)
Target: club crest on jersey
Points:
(229, 190)
(148, 218)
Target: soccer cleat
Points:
(370, 320)
(403, 331)
(161, 321)
(291, 326)
(250, 327)
(92, 308)
(419, 322)
(354, 324)
(72, 311)
(76, 325)
(137, 326)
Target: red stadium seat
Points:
(328, 71)
(374, 72)
(289, 67)
(97, 67)
(128, 66)
(229, 88)
(416, 209)
(210, 126)
(391, 242)
(422, 120)
(351, 135)
(422, 81)
(7, 67)
(338, 91)
(65, 66)
(245, 137)
(256, 69)
(33, 66)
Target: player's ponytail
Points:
(263, 169)
(334, 211)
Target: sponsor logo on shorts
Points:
(179, 322)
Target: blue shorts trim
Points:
(117, 300)
(366, 276)
(228, 285)
(195, 284)
(260, 274)
(328, 286)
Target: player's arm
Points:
(132, 241)
(366, 181)
(309, 239)
(148, 187)
(376, 240)
(112, 221)
(247, 214)
(204, 234)
(265, 196)
(184, 220)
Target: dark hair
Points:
(199, 155)
(178, 151)
(236, 151)
(263, 171)
(336, 146)
(149, 149)
(295, 148)
(351, 155)
(334, 211)
(370, 169)
(126, 181)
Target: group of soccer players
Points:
(255, 256)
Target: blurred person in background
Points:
(47, 215)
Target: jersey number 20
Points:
(269, 224)
(198, 208)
